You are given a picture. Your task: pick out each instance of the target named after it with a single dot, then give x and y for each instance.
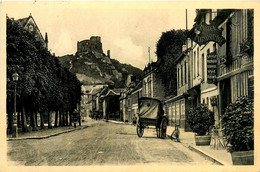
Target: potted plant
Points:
(200, 120)
(238, 127)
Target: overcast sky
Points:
(126, 29)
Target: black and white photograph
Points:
(110, 84)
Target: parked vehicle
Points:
(151, 114)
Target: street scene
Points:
(102, 143)
(87, 86)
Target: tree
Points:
(168, 48)
(43, 85)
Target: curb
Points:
(118, 122)
(205, 155)
(47, 136)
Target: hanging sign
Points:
(214, 100)
(212, 68)
(206, 33)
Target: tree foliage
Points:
(168, 48)
(43, 85)
(238, 124)
(200, 119)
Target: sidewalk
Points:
(46, 133)
(220, 156)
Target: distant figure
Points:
(176, 134)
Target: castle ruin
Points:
(93, 44)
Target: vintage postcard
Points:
(128, 85)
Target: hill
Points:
(96, 68)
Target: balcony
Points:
(239, 64)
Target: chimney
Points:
(46, 40)
(108, 53)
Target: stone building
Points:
(202, 59)
(236, 57)
(111, 104)
(177, 107)
(93, 44)
(152, 82)
(29, 24)
(129, 98)
(222, 70)
(136, 93)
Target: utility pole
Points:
(149, 55)
(187, 28)
(186, 19)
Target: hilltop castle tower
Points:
(93, 44)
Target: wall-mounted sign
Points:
(206, 33)
(212, 68)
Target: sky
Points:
(127, 29)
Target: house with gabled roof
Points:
(29, 24)
(111, 104)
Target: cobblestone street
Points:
(102, 144)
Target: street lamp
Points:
(15, 79)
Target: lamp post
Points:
(15, 79)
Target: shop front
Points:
(176, 109)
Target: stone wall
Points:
(93, 44)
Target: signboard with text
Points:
(206, 33)
(212, 68)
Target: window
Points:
(185, 72)
(149, 87)
(198, 62)
(144, 89)
(208, 51)
(178, 79)
(181, 75)
(194, 66)
(203, 68)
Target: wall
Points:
(182, 81)
(196, 66)
(240, 65)
(176, 110)
(158, 87)
(94, 44)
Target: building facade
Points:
(222, 71)
(177, 107)
(29, 24)
(152, 82)
(236, 59)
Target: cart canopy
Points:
(149, 108)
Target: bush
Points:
(200, 120)
(238, 125)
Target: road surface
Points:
(102, 143)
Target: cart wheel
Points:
(163, 128)
(139, 129)
(158, 131)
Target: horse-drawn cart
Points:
(151, 114)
